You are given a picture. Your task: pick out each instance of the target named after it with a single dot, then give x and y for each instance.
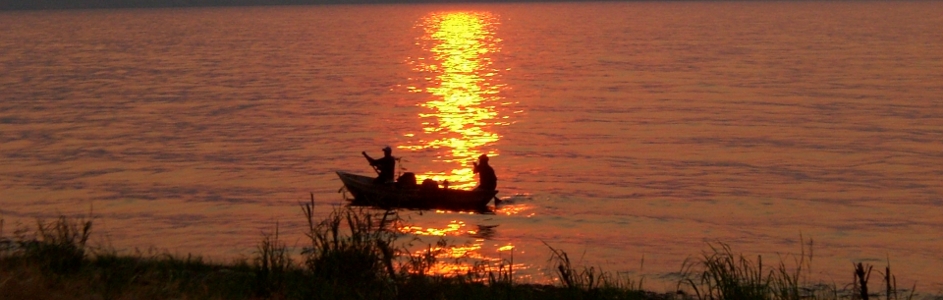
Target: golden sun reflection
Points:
(515, 209)
(473, 257)
(470, 258)
(463, 93)
(453, 228)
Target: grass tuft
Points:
(727, 276)
(272, 264)
(352, 247)
(597, 283)
(57, 246)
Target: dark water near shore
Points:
(620, 132)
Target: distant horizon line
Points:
(19, 5)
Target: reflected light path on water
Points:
(462, 108)
(472, 257)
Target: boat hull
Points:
(367, 193)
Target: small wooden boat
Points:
(367, 193)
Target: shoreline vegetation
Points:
(356, 253)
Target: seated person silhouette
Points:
(486, 178)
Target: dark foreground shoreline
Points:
(357, 254)
(168, 277)
(353, 254)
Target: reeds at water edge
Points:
(722, 274)
(356, 253)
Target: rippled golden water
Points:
(620, 132)
(456, 74)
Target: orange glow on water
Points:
(454, 228)
(515, 209)
(474, 255)
(471, 257)
(463, 102)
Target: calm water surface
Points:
(630, 135)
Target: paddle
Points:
(370, 160)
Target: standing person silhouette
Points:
(384, 166)
(486, 179)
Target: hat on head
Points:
(483, 157)
(387, 149)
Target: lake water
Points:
(630, 135)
